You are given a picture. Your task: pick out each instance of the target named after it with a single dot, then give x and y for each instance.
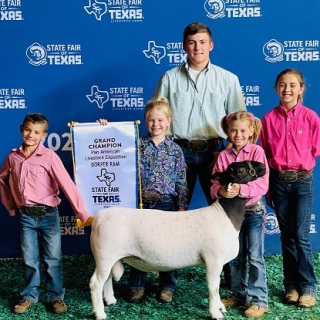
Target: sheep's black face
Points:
(241, 172)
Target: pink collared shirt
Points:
(252, 190)
(291, 140)
(36, 180)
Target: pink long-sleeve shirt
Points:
(252, 190)
(291, 140)
(36, 180)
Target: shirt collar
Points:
(246, 149)
(167, 140)
(40, 150)
(294, 111)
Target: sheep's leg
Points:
(96, 286)
(215, 304)
(116, 274)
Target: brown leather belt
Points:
(254, 205)
(153, 196)
(290, 176)
(35, 211)
(198, 145)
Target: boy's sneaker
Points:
(165, 296)
(57, 306)
(136, 295)
(22, 306)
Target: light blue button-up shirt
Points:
(197, 108)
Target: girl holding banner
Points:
(164, 185)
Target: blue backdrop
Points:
(80, 60)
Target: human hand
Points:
(269, 200)
(230, 190)
(103, 122)
(215, 155)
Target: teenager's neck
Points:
(198, 67)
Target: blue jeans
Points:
(41, 241)
(248, 270)
(167, 280)
(200, 166)
(293, 205)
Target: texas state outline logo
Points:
(97, 8)
(155, 52)
(100, 97)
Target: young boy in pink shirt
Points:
(30, 178)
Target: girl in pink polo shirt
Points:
(248, 271)
(291, 139)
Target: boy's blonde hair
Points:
(160, 104)
(244, 116)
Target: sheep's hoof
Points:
(100, 315)
(110, 301)
(217, 316)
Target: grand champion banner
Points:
(105, 164)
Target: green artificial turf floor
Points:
(190, 299)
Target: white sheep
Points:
(155, 240)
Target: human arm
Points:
(315, 142)
(181, 185)
(263, 141)
(217, 190)
(5, 190)
(162, 89)
(235, 100)
(59, 174)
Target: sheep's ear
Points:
(259, 167)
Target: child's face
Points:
(157, 123)
(288, 89)
(239, 132)
(32, 133)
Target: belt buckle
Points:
(35, 211)
(288, 176)
(151, 196)
(198, 145)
